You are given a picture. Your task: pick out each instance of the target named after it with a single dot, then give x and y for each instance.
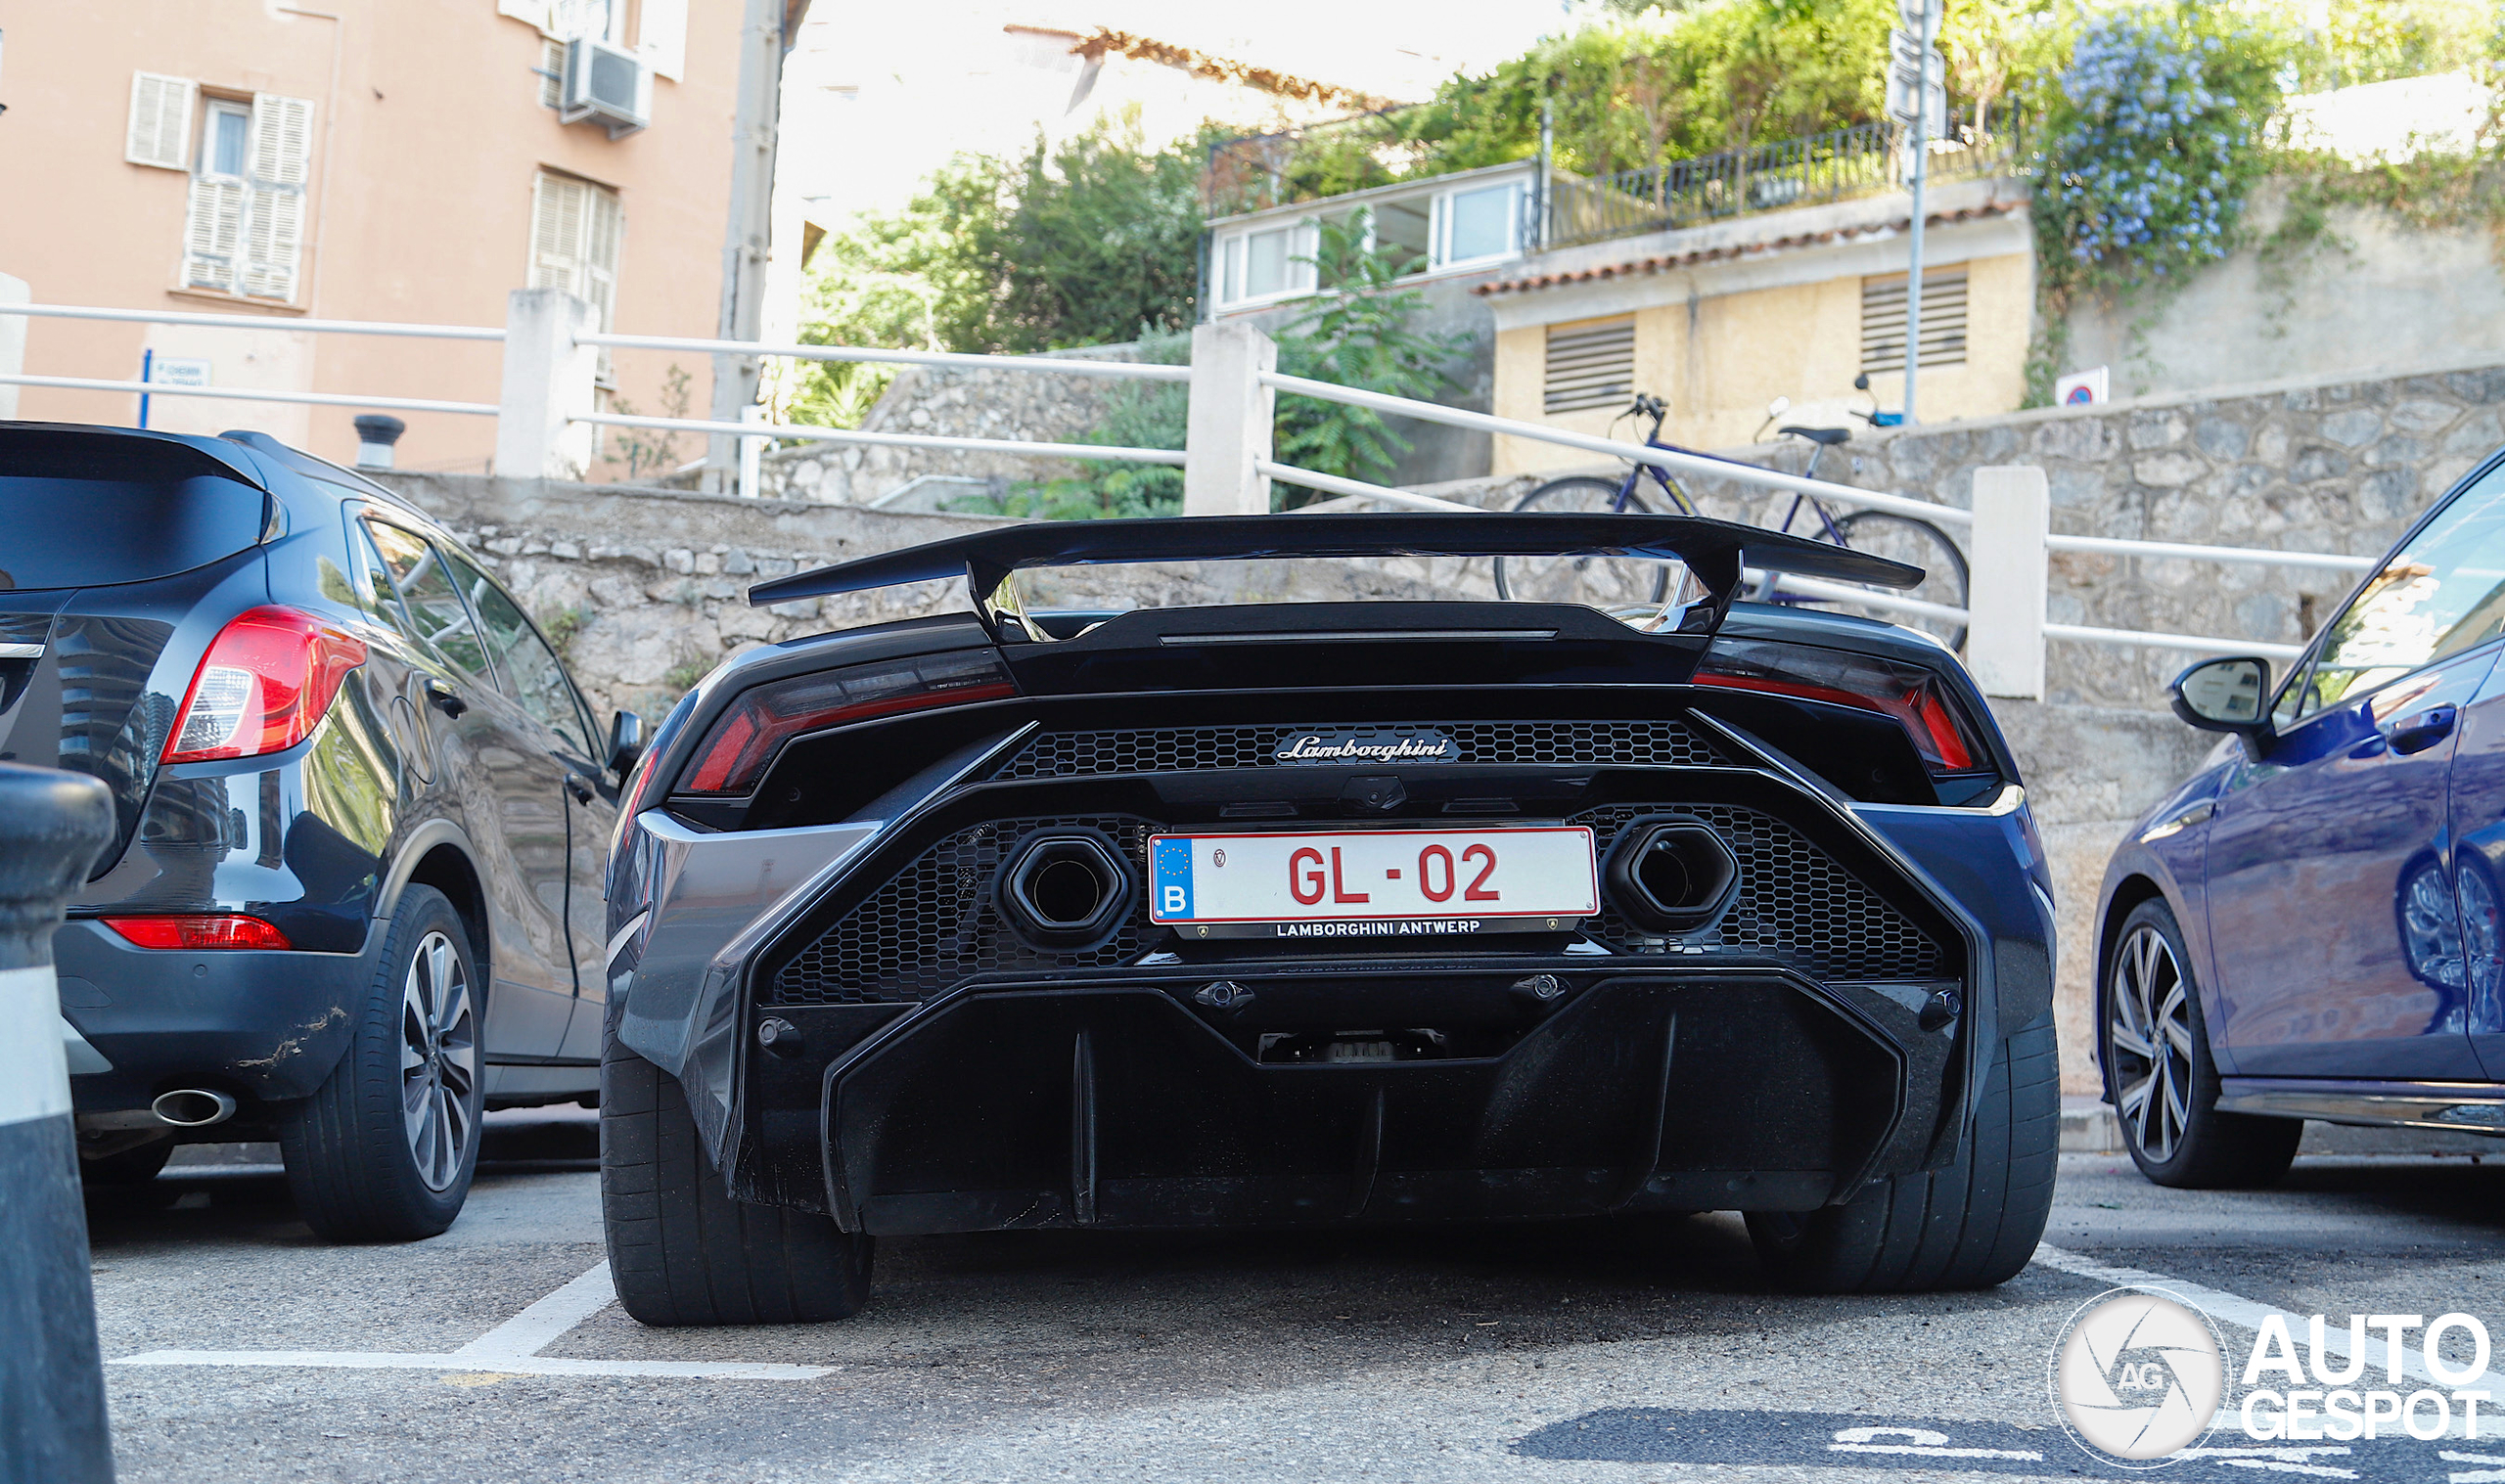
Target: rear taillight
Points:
(746, 737)
(265, 683)
(1908, 694)
(199, 930)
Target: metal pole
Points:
(751, 229)
(1922, 174)
(53, 1428)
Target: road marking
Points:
(511, 1348)
(2247, 1314)
(536, 1328)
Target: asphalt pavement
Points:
(242, 1349)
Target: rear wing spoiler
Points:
(1715, 551)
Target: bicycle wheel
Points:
(1916, 543)
(1601, 582)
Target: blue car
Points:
(2308, 926)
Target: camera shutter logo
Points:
(2138, 1377)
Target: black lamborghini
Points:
(1305, 913)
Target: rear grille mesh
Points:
(934, 923)
(1796, 903)
(1664, 742)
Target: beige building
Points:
(360, 159)
(1720, 320)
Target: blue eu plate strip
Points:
(1170, 878)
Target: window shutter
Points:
(212, 234)
(160, 121)
(660, 35)
(1943, 321)
(533, 11)
(274, 224)
(1590, 365)
(556, 233)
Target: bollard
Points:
(51, 1381)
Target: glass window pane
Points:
(1481, 223)
(229, 128)
(2441, 595)
(436, 607)
(1400, 232)
(524, 665)
(1266, 261)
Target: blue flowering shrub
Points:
(2155, 135)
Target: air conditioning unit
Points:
(606, 84)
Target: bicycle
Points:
(1617, 582)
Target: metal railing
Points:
(547, 408)
(1860, 161)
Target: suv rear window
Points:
(86, 510)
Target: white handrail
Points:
(1659, 458)
(1137, 371)
(2136, 637)
(2262, 555)
(1844, 592)
(254, 395)
(1358, 488)
(812, 433)
(258, 322)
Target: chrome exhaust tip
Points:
(193, 1108)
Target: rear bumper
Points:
(1128, 1105)
(261, 1027)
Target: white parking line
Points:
(511, 1348)
(2246, 1314)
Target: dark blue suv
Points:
(354, 896)
(2308, 927)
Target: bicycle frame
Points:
(1679, 501)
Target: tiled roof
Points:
(1668, 262)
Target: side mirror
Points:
(626, 743)
(2225, 695)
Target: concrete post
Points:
(53, 1428)
(1229, 428)
(751, 454)
(548, 381)
(12, 341)
(2005, 637)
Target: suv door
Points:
(2331, 862)
(536, 681)
(512, 801)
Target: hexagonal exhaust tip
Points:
(1671, 873)
(1064, 890)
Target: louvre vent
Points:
(1943, 321)
(1590, 365)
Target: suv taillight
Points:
(745, 737)
(267, 680)
(1910, 694)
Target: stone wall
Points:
(1027, 406)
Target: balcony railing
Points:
(1860, 161)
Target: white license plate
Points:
(1399, 882)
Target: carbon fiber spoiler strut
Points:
(1715, 551)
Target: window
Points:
(1590, 365)
(1267, 262)
(2441, 595)
(160, 121)
(575, 231)
(524, 665)
(442, 619)
(244, 227)
(1477, 224)
(1943, 321)
(373, 590)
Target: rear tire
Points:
(1970, 1225)
(681, 1251)
(384, 1150)
(1903, 538)
(2167, 1105)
